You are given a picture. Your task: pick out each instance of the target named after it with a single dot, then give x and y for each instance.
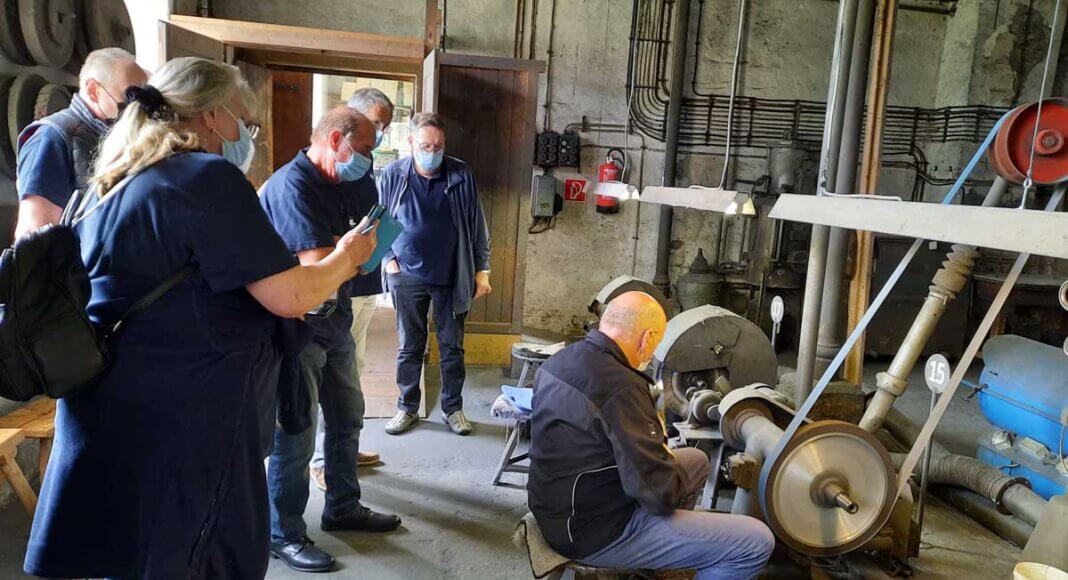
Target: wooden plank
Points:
(501, 236)
(43, 455)
(331, 64)
(300, 39)
(432, 37)
(260, 80)
(513, 169)
(455, 59)
(432, 84)
(42, 405)
(482, 155)
(43, 427)
(9, 440)
(525, 148)
(176, 41)
(18, 418)
(22, 488)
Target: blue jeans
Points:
(716, 545)
(412, 299)
(330, 372)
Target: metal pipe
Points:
(983, 511)
(831, 326)
(947, 282)
(817, 256)
(671, 145)
(760, 435)
(742, 6)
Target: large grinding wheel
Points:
(831, 489)
(7, 152)
(1010, 155)
(52, 98)
(12, 43)
(107, 23)
(627, 284)
(49, 27)
(707, 342)
(81, 42)
(22, 104)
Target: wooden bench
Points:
(37, 420)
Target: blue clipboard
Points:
(387, 231)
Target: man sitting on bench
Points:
(604, 487)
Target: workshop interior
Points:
(851, 212)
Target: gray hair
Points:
(189, 86)
(363, 100)
(421, 120)
(100, 65)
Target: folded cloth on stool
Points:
(543, 559)
(504, 409)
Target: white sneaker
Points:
(457, 422)
(401, 422)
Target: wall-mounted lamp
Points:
(742, 204)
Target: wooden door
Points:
(291, 116)
(490, 107)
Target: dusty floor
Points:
(457, 525)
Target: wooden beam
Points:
(331, 64)
(300, 39)
(491, 62)
(432, 38)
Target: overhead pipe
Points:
(831, 327)
(947, 282)
(817, 256)
(671, 145)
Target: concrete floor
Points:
(457, 525)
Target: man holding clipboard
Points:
(311, 203)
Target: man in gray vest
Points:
(55, 154)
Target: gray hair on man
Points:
(421, 120)
(100, 65)
(363, 100)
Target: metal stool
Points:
(512, 463)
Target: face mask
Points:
(120, 106)
(238, 152)
(379, 135)
(429, 161)
(355, 168)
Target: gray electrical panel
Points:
(542, 196)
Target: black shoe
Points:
(302, 556)
(363, 520)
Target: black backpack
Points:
(48, 345)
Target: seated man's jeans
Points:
(330, 372)
(716, 545)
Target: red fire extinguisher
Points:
(610, 171)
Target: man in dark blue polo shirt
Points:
(376, 106)
(442, 257)
(55, 154)
(311, 203)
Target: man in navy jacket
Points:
(442, 257)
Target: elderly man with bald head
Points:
(604, 487)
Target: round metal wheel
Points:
(825, 461)
(49, 28)
(7, 152)
(107, 23)
(52, 98)
(12, 43)
(1010, 155)
(22, 103)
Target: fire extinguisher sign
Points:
(574, 190)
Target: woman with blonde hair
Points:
(157, 471)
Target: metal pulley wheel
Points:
(52, 98)
(831, 489)
(49, 27)
(22, 104)
(7, 152)
(708, 342)
(1010, 155)
(12, 43)
(107, 23)
(624, 284)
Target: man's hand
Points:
(482, 285)
(392, 267)
(358, 247)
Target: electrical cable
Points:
(1029, 181)
(742, 4)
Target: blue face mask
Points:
(378, 138)
(429, 162)
(355, 168)
(239, 152)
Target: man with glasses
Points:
(376, 106)
(55, 154)
(441, 258)
(312, 204)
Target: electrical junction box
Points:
(543, 196)
(547, 149)
(569, 150)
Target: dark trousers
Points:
(330, 373)
(412, 300)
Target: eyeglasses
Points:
(253, 128)
(429, 147)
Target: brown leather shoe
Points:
(366, 458)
